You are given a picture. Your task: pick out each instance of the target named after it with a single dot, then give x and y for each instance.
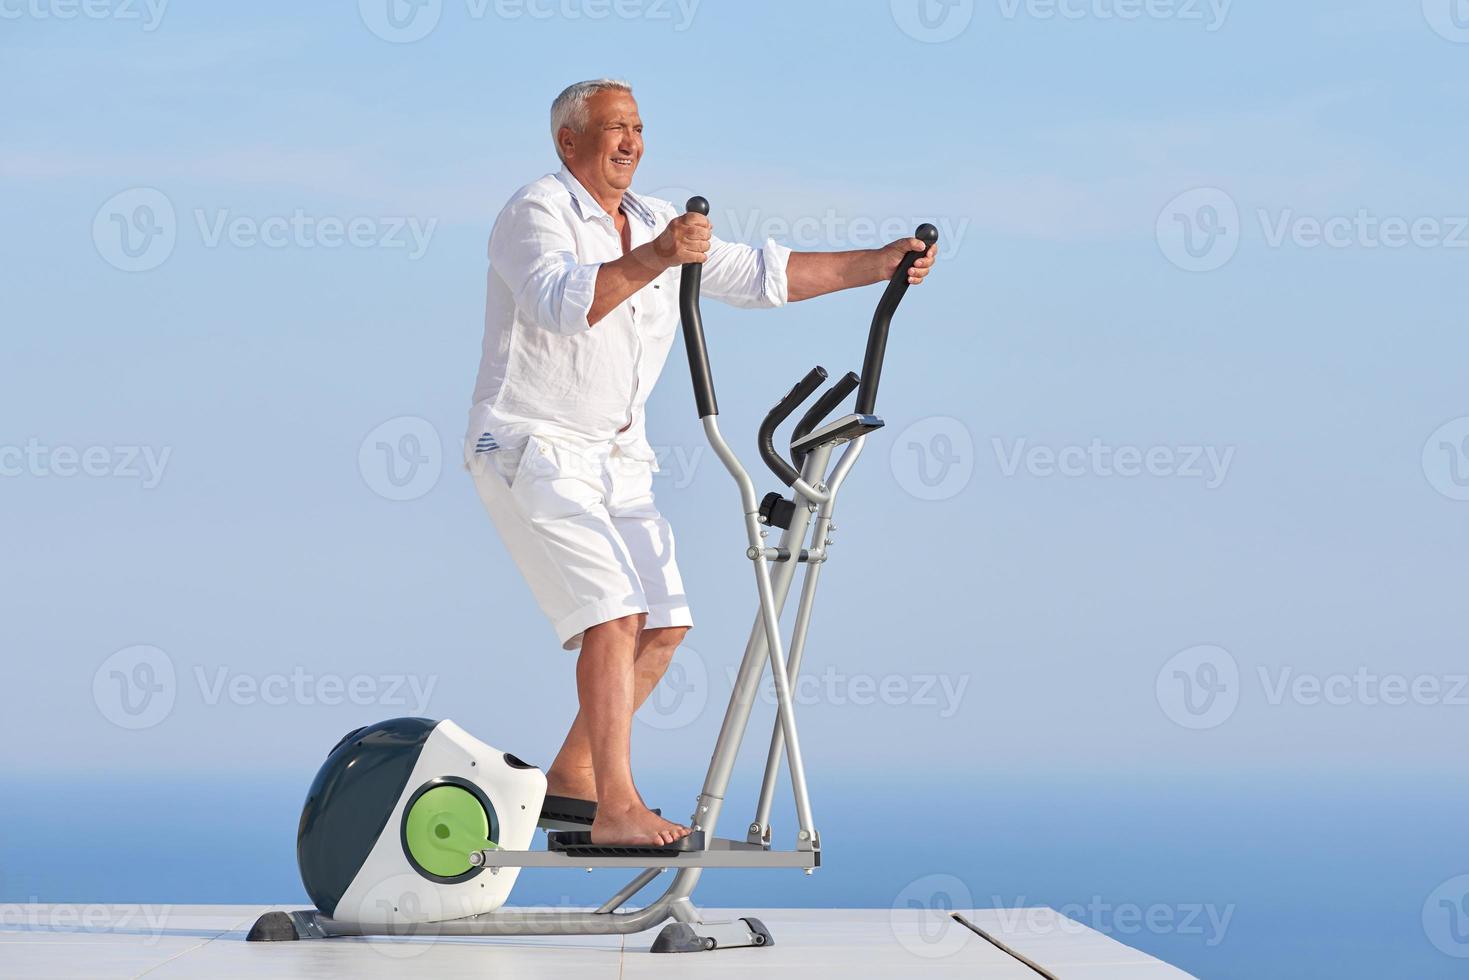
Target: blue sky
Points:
(1295, 543)
(1291, 391)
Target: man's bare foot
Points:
(578, 784)
(634, 823)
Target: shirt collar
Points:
(589, 209)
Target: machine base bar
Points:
(722, 853)
(676, 937)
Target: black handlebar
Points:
(802, 391)
(818, 412)
(877, 336)
(693, 326)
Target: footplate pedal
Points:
(579, 843)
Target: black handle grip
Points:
(833, 397)
(877, 336)
(693, 326)
(783, 470)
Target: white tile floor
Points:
(171, 942)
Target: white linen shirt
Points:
(543, 370)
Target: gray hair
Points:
(570, 108)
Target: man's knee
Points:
(622, 629)
(659, 644)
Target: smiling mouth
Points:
(622, 161)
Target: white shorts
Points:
(582, 528)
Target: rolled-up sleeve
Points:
(532, 250)
(742, 275)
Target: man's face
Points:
(605, 154)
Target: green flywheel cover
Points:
(442, 827)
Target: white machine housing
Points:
(388, 891)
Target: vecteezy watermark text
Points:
(301, 230)
(1203, 229)
(1210, 13)
(1363, 687)
(1202, 919)
(942, 692)
(148, 13)
(136, 230)
(932, 918)
(685, 691)
(36, 459)
(937, 21)
(1209, 464)
(302, 688)
(35, 916)
(831, 229)
(1201, 687)
(137, 688)
(407, 21)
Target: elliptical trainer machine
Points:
(416, 828)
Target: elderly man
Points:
(581, 312)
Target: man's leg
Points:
(606, 680)
(571, 773)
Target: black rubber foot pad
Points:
(680, 937)
(272, 927)
(580, 842)
(569, 809)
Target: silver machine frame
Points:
(814, 495)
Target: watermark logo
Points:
(1448, 18)
(1446, 459)
(400, 905)
(402, 458)
(135, 688)
(1446, 917)
(135, 230)
(933, 459)
(401, 21)
(922, 916)
(932, 21)
(1199, 688)
(1199, 230)
(680, 698)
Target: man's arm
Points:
(811, 274)
(532, 251)
(685, 239)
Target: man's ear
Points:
(566, 139)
